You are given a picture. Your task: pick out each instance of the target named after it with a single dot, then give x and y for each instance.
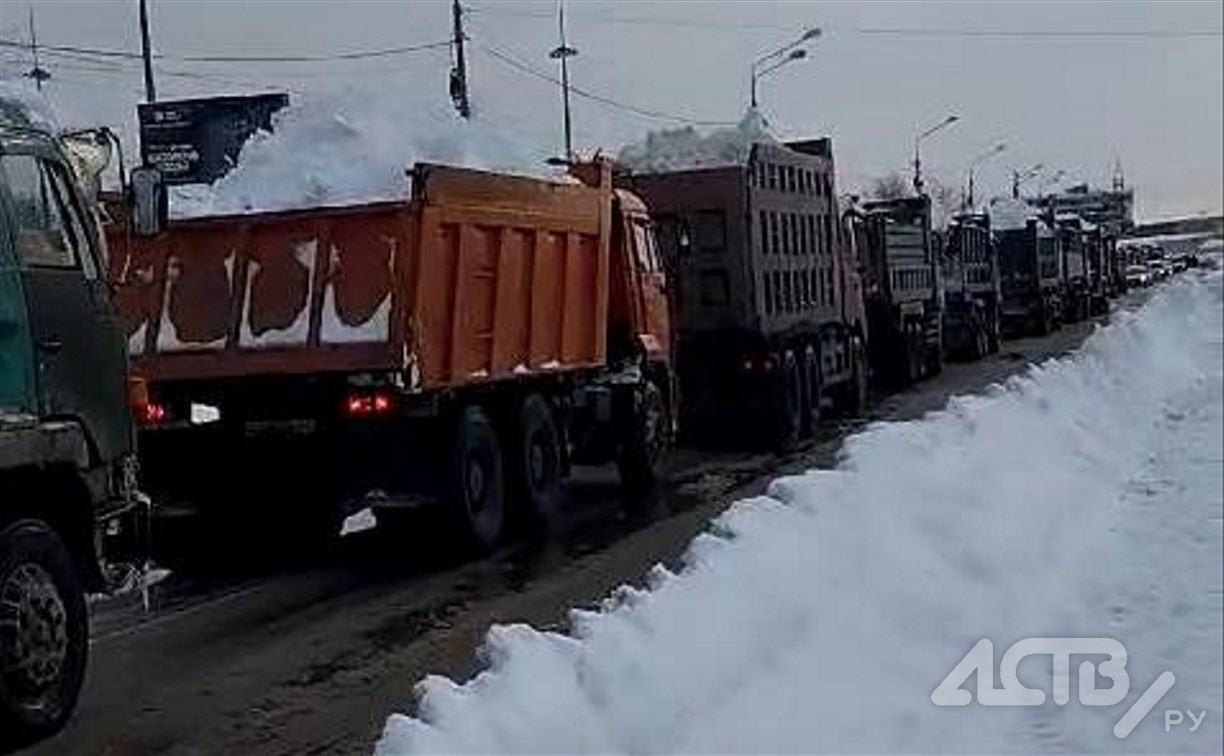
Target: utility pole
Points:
(147, 53)
(563, 53)
(37, 73)
(458, 74)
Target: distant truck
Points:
(1074, 242)
(969, 272)
(900, 267)
(1030, 271)
(462, 348)
(770, 328)
(67, 464)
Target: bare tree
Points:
(945, 201)
(889, 186)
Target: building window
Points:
(774, 244)
(710, 231)
(764, 243)
(715, 288)
(767, 292)
(773, 175)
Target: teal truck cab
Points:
(67, 465)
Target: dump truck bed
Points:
(477, 277)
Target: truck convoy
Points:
(767, 336)
(898, 257)
(67, 459)
(467, 344)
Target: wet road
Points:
(272, 660)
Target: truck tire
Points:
(934, 357)
(789, 403)
(537, 465)
(856, 394)
(44, 633)
(913, 357)
(810, 376)
(478, 510)
(644, 440)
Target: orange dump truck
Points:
(462, 347)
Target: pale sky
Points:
(1074, 85)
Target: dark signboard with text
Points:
(198, 141)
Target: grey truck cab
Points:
(67, 467)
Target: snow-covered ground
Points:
(1082, 500)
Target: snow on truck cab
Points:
(67, 454)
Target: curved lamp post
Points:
(772, 61)
(917, 144)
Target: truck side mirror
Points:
(150, 205)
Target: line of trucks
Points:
(457, 352)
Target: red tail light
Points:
(368, 405)
(151, 413)
(747, 366)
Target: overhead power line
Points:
(1103, 34)
(518, 65)
(331, 57)
(1039, 33)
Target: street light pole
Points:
(974, 163)
(757, 72)
(1019, 177)
(146, 52)
(563, 53)
(918, 142)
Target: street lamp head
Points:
(951, 119)
(799, 54)
(811, 34)
(1000, 147)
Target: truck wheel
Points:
(810, 376)
(934, 362)
(789, 401)
(913, 357)
(857, 393)
(536, 473)
(642, 449)
(43, 633)
(479, 510)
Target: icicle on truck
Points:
(462, 347)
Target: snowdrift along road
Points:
(1082, 500)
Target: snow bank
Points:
(681, 149)
(1080, 500)
(347, 148)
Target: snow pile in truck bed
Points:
(1081, 500)
(685, 148)
(350, 148)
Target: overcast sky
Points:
(1094, 82)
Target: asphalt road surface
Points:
(272, 660)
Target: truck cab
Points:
(66, 435)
